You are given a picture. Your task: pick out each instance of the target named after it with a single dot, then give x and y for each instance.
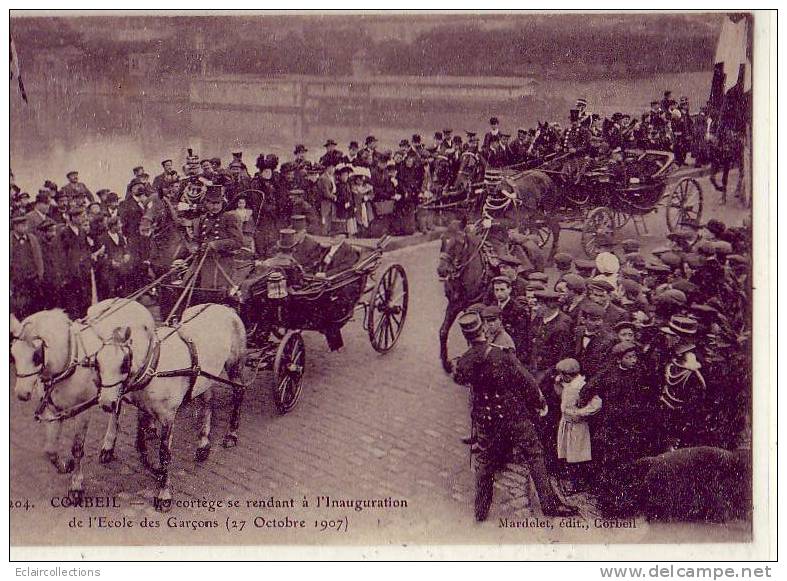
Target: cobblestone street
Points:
(367, 426)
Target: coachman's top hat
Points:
(287, 239)
(214, 193)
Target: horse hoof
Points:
(448, 367)
(162, 504)
(106, 456)
(230, 441)
(202, 453)
(75, 496)
(65, 467)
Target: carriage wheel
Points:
(288, 369)
(685, 203)
(620, 219)
(599, 222)
(388, 309)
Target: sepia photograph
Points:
(386, 278)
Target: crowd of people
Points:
(608, 361)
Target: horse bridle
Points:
(458, 268)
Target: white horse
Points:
(53, 357)
(157, 374)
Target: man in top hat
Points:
(506, 401)
(220, 234)
(27, 268)
(592, 339)
(307, 251)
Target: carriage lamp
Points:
(277, 286)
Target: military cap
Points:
(494, 121)
(352, 145)
(547, 296)
(470, 134)
(18, 220)
(671, 296)
(521, 130)
(684, 348)
(491, 312)
(568, 365)
(671, 259)
(563, 261)
(535, 285)
(582, 102)
(71, 173)
(630, 245)
(46, 224)
(330, 142)
(236, 163)
(592, 309)
(636, 260)
(656, 268)
(300, 148)
(214, 193)
(21, 195)
(470, 323)
(704, 311)
(600, 284)
(585, 265)
(607, 263)
(298, 222)
(404, 143)
(501, 279)
(538, 276)
(574, 282)
(624, 347)
(475, 308)
(138, 170)
(76, 211)
(415, 138)
(370, 139)
(630, 286)
(165, 162)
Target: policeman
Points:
(505, 397)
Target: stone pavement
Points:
(367, 426)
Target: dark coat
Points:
(597, 355)
(515, 316)
(308, 253)
(131, 215)
(343, 259)
(223, 235)
(550, 342)
(113, 267)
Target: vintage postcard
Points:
(391, 279)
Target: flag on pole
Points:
(16, 71)
(732, 63)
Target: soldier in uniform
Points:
(74, 187)
(220, 234)
(505, 399)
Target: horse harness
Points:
(149, 368)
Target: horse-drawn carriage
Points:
(276, 312)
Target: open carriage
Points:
(276, 312)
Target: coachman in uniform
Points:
(220, 234)
(504, 399)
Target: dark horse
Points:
(167, 234)
(465, 275)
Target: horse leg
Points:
(143, 424)
(231, 439)
(76, 490)
(53, 431)
(107, 453)
(163, 501)
(451, 312)
(203, 448)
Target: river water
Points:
(103, 136)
